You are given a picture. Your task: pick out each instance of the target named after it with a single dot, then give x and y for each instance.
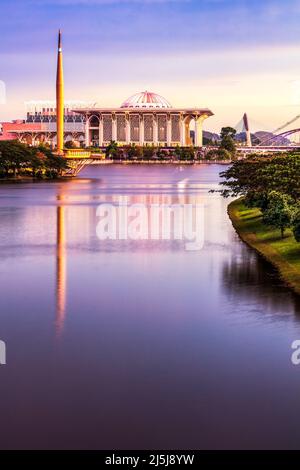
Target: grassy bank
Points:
(284, 253)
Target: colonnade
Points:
(143, 128)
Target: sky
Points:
(233, 56)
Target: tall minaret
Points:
(60, 98)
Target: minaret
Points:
(60, 99)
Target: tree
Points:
(134, 152)
(55, 166)
(177, 152)
(223, 154)
(111, 150)
(15, 156)
(161, 154)
(227, 139)
(185, 153)
(256, 176)
(148, 152)
(296, 224)
(218, 154)
(279, 212)
(17, 159)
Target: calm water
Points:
(139, 344)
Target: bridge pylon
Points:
(247, 130)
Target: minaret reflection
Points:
(61, 274)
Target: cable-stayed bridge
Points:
(257, 137)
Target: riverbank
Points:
(284, 253)
(30, 179)
(159, 162)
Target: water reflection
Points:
(206, 333)
(252, 279)
(61, 269)
(165, 232)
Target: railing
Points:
(77, 153)
(82, 153)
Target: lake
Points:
(140, 343)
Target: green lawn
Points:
(283, 253)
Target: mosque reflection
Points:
(76, 222)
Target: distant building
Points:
(40, 124)
(45, 111)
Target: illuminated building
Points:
(143, 119)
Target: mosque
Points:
(145, 118)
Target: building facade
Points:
(40, 124)
(144, 119)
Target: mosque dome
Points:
(146, 99)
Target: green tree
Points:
(148, 152)
(296, 224)
(161, 154)
(134, 152)
(218, 154)
(223, 154)
(17, 159)
(186, 153)
(55, 166)
(177, 152)
(111, 150)
(227, 139)
(256, 176)
(279, 211)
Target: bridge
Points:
(267, 148)
(274, 141)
